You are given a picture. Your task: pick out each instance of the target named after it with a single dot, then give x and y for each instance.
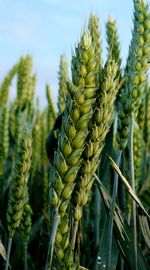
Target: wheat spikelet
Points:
(138, 144)
(147, 120)
(142, 114)
(25, 222)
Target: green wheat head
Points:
(96, 38)
(63, 78)
(136, 71)
(19, 182)
(5, 85)
(99, 127)
(51, 113)
(74, 130)
(113, 41)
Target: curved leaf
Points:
(122, 232)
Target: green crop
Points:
(74, 180)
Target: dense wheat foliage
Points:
(74, 181)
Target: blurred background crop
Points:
(48, 28)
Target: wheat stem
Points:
(133, 205)
(52, 240)
(75, 229)
(25, 257)
(8, 253)
(110, 225)
(96, 226)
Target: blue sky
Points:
(48, 28)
